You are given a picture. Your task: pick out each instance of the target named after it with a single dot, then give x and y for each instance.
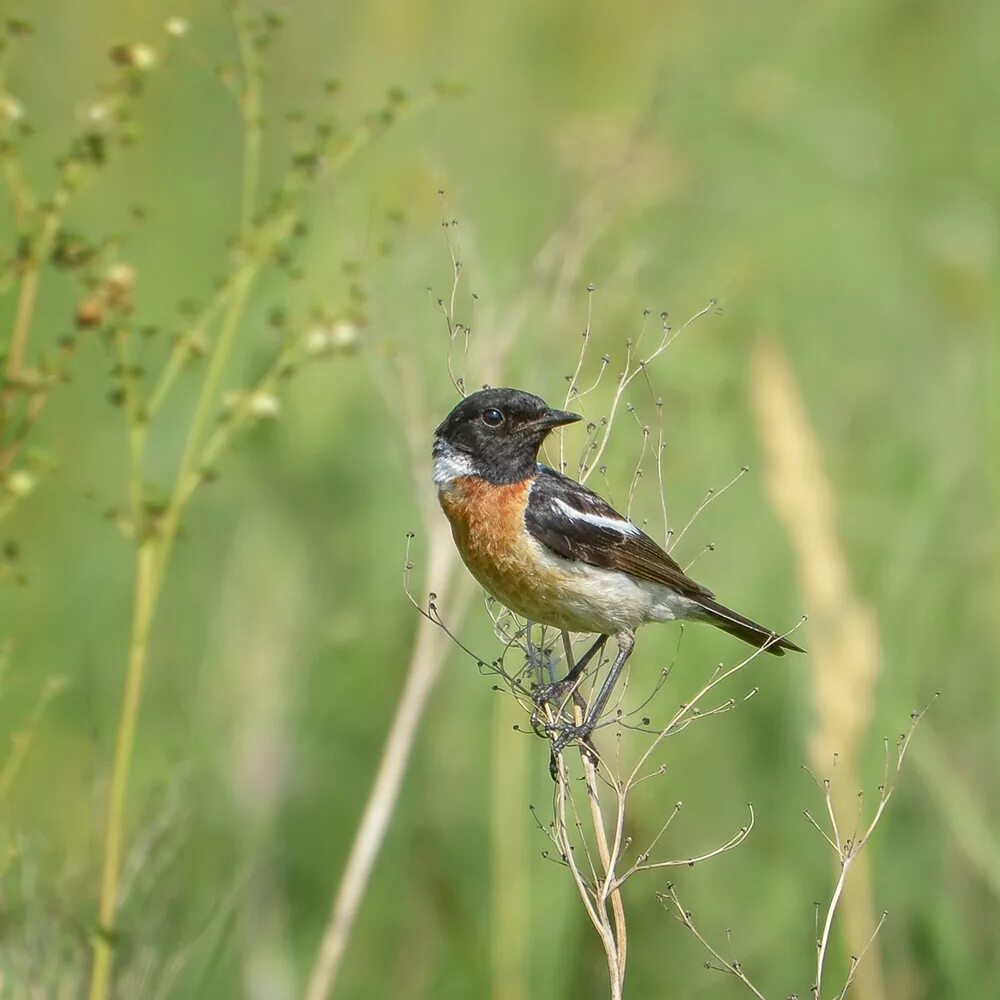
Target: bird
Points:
(554, 551)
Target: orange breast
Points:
(487, 522)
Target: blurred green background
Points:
(830, 173)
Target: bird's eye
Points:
(492, 417)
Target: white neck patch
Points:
(450, 464)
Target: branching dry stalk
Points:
(847, 848)
(609, 785)
(589, 837)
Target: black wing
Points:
(576, 523)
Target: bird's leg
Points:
(626, 643)
(581, 664)
(555, 692)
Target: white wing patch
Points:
(598, 520)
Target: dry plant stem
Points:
(428, 657)
(592, 897)
(848, 851)
(627, 376)
(604, 887)
(610, 887)
(733, 968)
(22, 199)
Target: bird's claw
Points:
(557, 693)
(573, 734)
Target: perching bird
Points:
(552, 550)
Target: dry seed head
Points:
(318, 342)
(89, 312)
(323, 340)
(177, 27)
(119, 281)
(137, 56)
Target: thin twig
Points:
(733, 968)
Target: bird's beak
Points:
(556, 418)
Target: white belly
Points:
(592, 599)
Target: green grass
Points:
(829, 174)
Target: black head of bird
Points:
(496, 434)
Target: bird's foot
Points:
(574, 734)
(557, 694)
(551, 701)
(555, 698)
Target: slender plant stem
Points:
(29, 292)
(22, 199)
(609, 880)
(27, 296)
(144, 607)
(203, 410)
(831, 910)
(153, 555)
(608, 884)
(182, 348)
(589, 896)
(22, 321)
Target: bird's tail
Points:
(744, 628)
